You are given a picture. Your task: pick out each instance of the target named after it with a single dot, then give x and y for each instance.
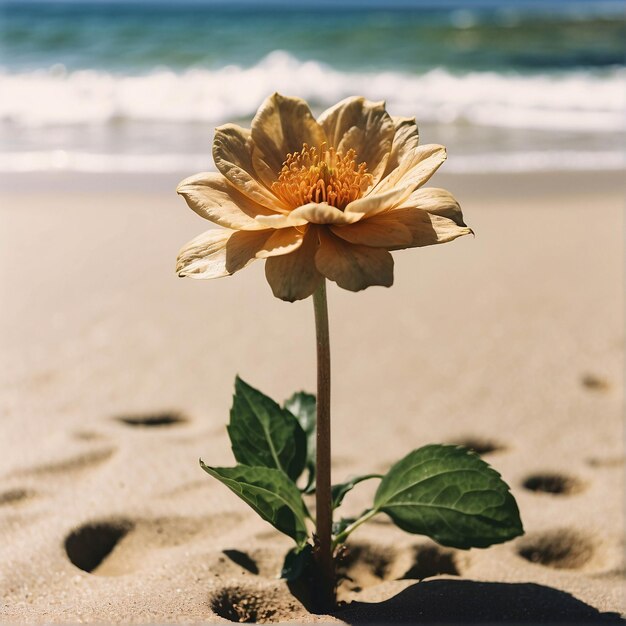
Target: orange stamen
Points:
(321, 175)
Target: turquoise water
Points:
(147, 81)
(135, 37)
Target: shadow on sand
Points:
(465, 601)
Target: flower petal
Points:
(294, 276)
(416, 167)
(353, 267)
(405, 139)
(322, 213)
(263, 171)
(205, 255)
(281, 220)
(437, 201)
(283, 241)
(232, 153)
(211, 196)
(219, 252)
(364, 126)
(376, 202)
(377, 232)
(426, 228)
(281, 126)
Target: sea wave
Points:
(106, 163)
(573, 101)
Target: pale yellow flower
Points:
(317, 198)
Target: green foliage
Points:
(303, 406)
(270, 493)
(296, 562)
(450, 495)
(444, 492)
(342, 524)
(339, 491)
(263, 434)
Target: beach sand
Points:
(117, 376)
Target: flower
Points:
(317, 198)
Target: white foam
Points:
(573, 101)
(531, 161)
(101, 163)
(87, 162)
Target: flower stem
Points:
(325, 591)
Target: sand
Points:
(117, 376)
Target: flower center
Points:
(321, 175)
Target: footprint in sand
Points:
(480, 445)
(562, 548)
(264, 562)
(242, 559)
(152, 420)
(365, 564)
(73, 464)
(432, 560)
(594, 383)
(15, 496)
(239, 605)
(553, 483)
(113, 547)
(89, 546)
(269, 604)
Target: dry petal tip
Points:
(464, 231)
(227, 126)
(181, 187)
(180, 271)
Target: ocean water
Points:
(139, 86)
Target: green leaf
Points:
(339, 491)
(342, 524)
(303, 406)
(270, 493)
(450, 495)
(263, 434)
(296, 561)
